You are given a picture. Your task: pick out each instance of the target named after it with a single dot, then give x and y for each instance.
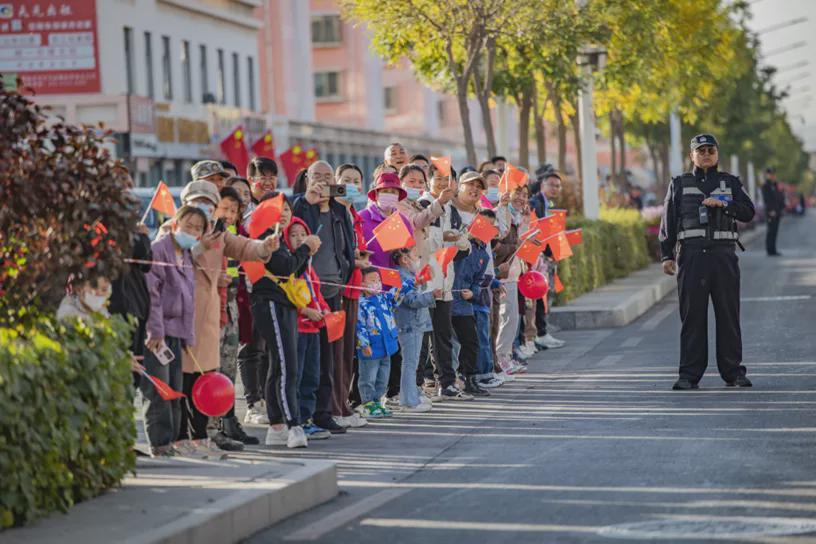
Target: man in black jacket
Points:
(699, 232)
(774, 206)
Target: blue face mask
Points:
(492, 194)
(184, 240)
(413, 194)
(511, 208)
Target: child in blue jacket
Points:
(413, 321)
(377, 341)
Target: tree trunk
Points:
(464, 113)
(561, 127)
(653, 156)
(577, 132)
(613, 151)
(487, 120)
(484, 90)
(622, 146)
(525, 107)
(665, 176)
(540, 130)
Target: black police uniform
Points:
(774, 202)
(708, 266)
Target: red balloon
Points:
(213, 394)
(533, 284)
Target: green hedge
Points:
(66, 415)
(614, 246)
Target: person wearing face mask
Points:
(499, 201)
(208, 257)
(415, 183)
(171, 286)
(383, 199)
(86, 299)
(413, 321)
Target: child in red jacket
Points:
(310, 321)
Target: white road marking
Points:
(776, 299)
(653, 322)
(345, 515)
(610, 360)
(631, 342)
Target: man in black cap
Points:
(699, 233)
(774, 206)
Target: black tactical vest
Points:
(721, 228)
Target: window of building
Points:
(130, 81)
(236, 81)
(221, 79)
(327, 85)
(390, 99)
(149, 64)
(251, 82)
(186, 71)
(327, 29)
(167, 69)
(205, 75)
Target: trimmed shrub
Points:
(66, 414)
(614, 246)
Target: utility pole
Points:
(588, 57)
(675, 153)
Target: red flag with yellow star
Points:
(234, 149)
(393, 234)
(162, 201)
(264, 146)
(295, 159)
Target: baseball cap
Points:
(472, 177)
(205, 169)
(200, 188)
(703, 139)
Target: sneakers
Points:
(313, 432)
(163, 451)
(373, 410)
(452, 392)
(256, 414)
(391, 402)
(420, 408)
(549, 342)
(684, 384)
(354, 421)
(296, 438)
(490, 383)
(505, 377)
(386, 411)
(522, 354)
(231, 427)
(472, 387)
(529, 348)
(226, 443)
(331, 426)
(277, 437)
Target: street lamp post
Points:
(675, 153)
(589, 159)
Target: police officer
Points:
(774, 206)
(699, 233)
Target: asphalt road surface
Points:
(593, 446)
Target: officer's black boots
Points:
(684, 385)
(741, 381)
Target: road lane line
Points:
(776, 299)
(653, 322)
(610, 360)
(345, 515)
(631, 342)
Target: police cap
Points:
(703, 139)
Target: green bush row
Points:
(66, 415)
(613, 246)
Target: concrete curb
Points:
(246, 512)
(623, 300)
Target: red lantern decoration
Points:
(533, 284)
(213, 394)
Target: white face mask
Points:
(96, 303)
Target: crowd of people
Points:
(445, 331)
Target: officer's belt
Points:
(700, 233)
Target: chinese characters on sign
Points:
(50, 44)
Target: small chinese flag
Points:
(530, 250)
(390, 277)
(424, 276)
(392, 233)
(234, 149)
(549, 226)
(162, 201)
(444, 257)
(560, 246)
(558, 286)
(561, 213)
(483, 229)
(335, 325)
(264, 146)
(443, 164)
(254, 270)
(266, 215)
(165, 391)
(575, 237)
(511, 179)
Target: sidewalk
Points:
(184, 500)
(623, 300)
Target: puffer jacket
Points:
(412, 313)
(470, 272)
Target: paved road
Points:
(592, 445)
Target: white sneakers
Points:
(528, 349)
(420, 408)
(291, 438)
(354, 421)
(549, 342)
(256, 415)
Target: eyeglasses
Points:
(707, 150)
